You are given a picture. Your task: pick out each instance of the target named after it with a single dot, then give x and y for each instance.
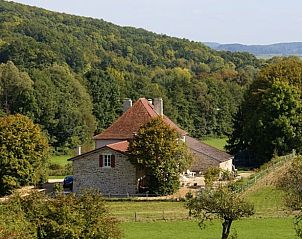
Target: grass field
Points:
(61, 159)
(148, 211)
(265, 228)
(271, 220)
(268, 202)
(218, 143)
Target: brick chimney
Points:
(127, 104)
(158, 106)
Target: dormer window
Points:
(107, 161)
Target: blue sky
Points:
(223, 21)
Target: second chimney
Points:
(158, 106)
(127, 104)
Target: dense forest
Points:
(70, 74)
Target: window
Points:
(107, 161)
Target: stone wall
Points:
(118, 180)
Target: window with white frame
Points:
(107, 160)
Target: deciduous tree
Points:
(15, 89)
(23, 153)
(38, 216)
(221, 203)
(158, 148)
(270, 117)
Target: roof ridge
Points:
(117, 142)
(147, 105)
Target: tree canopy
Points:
(270, 118)
(158, 149)
(23, 153)
(38, 216)
(221, 203)
(16, 89)
(71, 58)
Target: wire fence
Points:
(142, 216)
(264, 170)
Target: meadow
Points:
(218, 143)
(59, 159)
(164, 219)
(254, 228)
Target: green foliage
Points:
(59, 170)
(158, 149)
(105, 94)
(211, 175)
(64, 216)
(219, 203)
(270, 119)
(113, 63)
(62, 106)
(15, 89)
(291, 183)
(23, 153)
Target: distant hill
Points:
(82, 69)
(283, 49)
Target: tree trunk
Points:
(226, 226)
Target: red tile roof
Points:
(129, 123)
(119, 146)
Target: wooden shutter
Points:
(112, 161)
(101, 161)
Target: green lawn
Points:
(265, 228)
(271, 220)
(218, 143)
(267, 200)
(61, 159)
(148, 210)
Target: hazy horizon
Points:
(250, 23)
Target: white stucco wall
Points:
(227, 165)
(99, 143)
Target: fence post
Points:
(135, 217)
(164, 215)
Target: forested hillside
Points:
(70, 74)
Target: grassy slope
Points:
(268, 202)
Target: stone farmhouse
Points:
(107, 169)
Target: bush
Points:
(59, 170)
(63, 216)
(211, 175)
